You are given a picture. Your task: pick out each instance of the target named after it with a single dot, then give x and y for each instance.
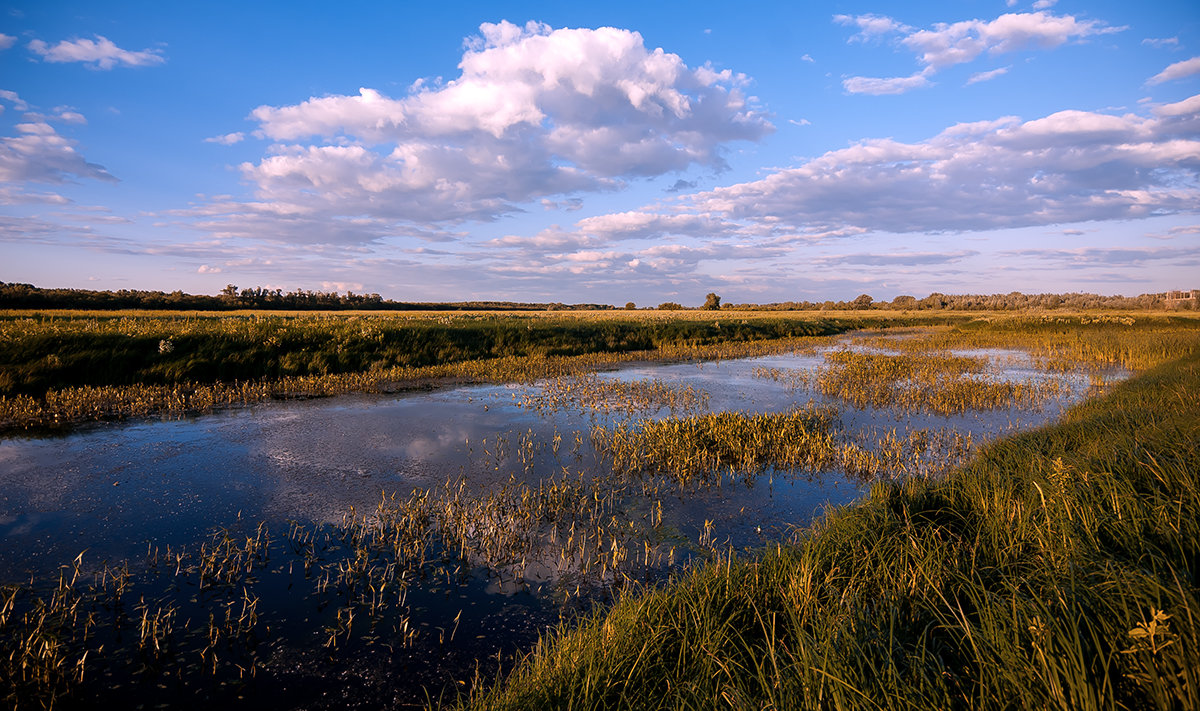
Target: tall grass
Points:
(1056, 570)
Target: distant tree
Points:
(904, 301)
(630, 306)
(669, 306)
(862, 302)
(712, 302)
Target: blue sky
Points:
(602, 153)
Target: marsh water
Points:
(115, 491)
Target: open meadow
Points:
(618, 509)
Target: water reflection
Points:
(113, 487)
(119, 490)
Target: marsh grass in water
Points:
(934, 382)
(1056, 570)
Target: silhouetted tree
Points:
(712, 302)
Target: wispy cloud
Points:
(879, 86)
(227, 139)
(987, 76)
(6, 41)
(948, 44)
(1178, 70)
(1162, 42)
(98, 53)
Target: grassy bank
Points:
(59, 368)
(1057, 570)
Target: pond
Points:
(287, 495)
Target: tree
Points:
(669, 306)
(904, 301)
(712, 302)
(862, 302)
(630, 306)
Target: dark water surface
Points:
(116, 489)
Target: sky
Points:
(602, 152)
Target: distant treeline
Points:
(27, 296)
(1014, 301)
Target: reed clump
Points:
(926, 381)
(619, 397)
(704, 447)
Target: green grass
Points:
(42, 352)
(1056, 570)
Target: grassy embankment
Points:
(1056, 570)
(62, 367)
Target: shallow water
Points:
(115, 489)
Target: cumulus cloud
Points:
(1178, 70)
(1071, 166)
(1068, 167)
(536, 113)
(40, 154)
(6, 41)
(227, 139)
(98, 53)
(948, 44)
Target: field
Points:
(1048, 568)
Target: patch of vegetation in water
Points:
(1056, 570)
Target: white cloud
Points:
(959, 42)
(12, 98)
(536, 113)
(1044, 4)
(1068, 167)
(227, 139)
(207, 269)
(878, 86)
(1162, 42)
(948, 44)
(6, 41)
(1178, 70)
(40, 154)
(99, 53)
(871, 26)
(68, 116)
(986, 76)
